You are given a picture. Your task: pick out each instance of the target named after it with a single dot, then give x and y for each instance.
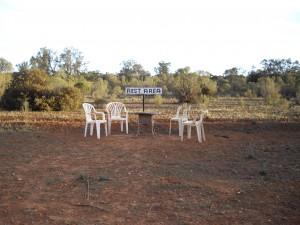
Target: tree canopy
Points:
(5, 66)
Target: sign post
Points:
(143, 103)
(143, 91)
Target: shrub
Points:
(100, 89)
(158, 100)
(223, 86)
(242, 102)
(30, 81)
(57, 82)
(45, 101)
(100, 102)
(208, 87)
(250, 94)
(67, 99)
(186, 88)
(24, 88)
(298, 96)
(41, 104)
(29, 90)
(12, 99)
(270, 91)
(5, 80)
(203, 100)
(117, 91)
(84, 85)
(189, 87)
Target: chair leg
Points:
(98, 130)
(203, 134)
(170, 127)
(105, 129)
(189, 131)
(181, 129)
(198, 128)
(85, 129)
(109, 127)
(126, 126)
(121, 125)
(91, 129)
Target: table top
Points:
(145, 113)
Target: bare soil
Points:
(245, 173)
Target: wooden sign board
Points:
(143, 91)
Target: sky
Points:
(209, 35)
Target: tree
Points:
(131, 69)
(238, 85)
(223, 85)
(279, 66)
(71, 61)
(163, 68)
(113, 81)
(46, 60)
(92, 75)
(204, 73)
(23, 66)
(32, 80)
(140, 72)
(186, 85)
(289, 85)
(231, 72)
(5, 66)
(274, 68)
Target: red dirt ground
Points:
(245, 173)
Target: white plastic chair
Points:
(196, 122)
(175, 118)
(116, 111)
(180, 117)
(91, 119)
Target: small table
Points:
(145, 118)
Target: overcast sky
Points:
(211, 35)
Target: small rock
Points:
(102, 178)
(262, 173)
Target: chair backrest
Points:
(114, 109)
(186, 111)
(88, 111)
(178, 111)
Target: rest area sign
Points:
(143, 91)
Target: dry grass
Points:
(224, 109)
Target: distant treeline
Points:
(51, 81)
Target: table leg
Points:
(152, 125)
